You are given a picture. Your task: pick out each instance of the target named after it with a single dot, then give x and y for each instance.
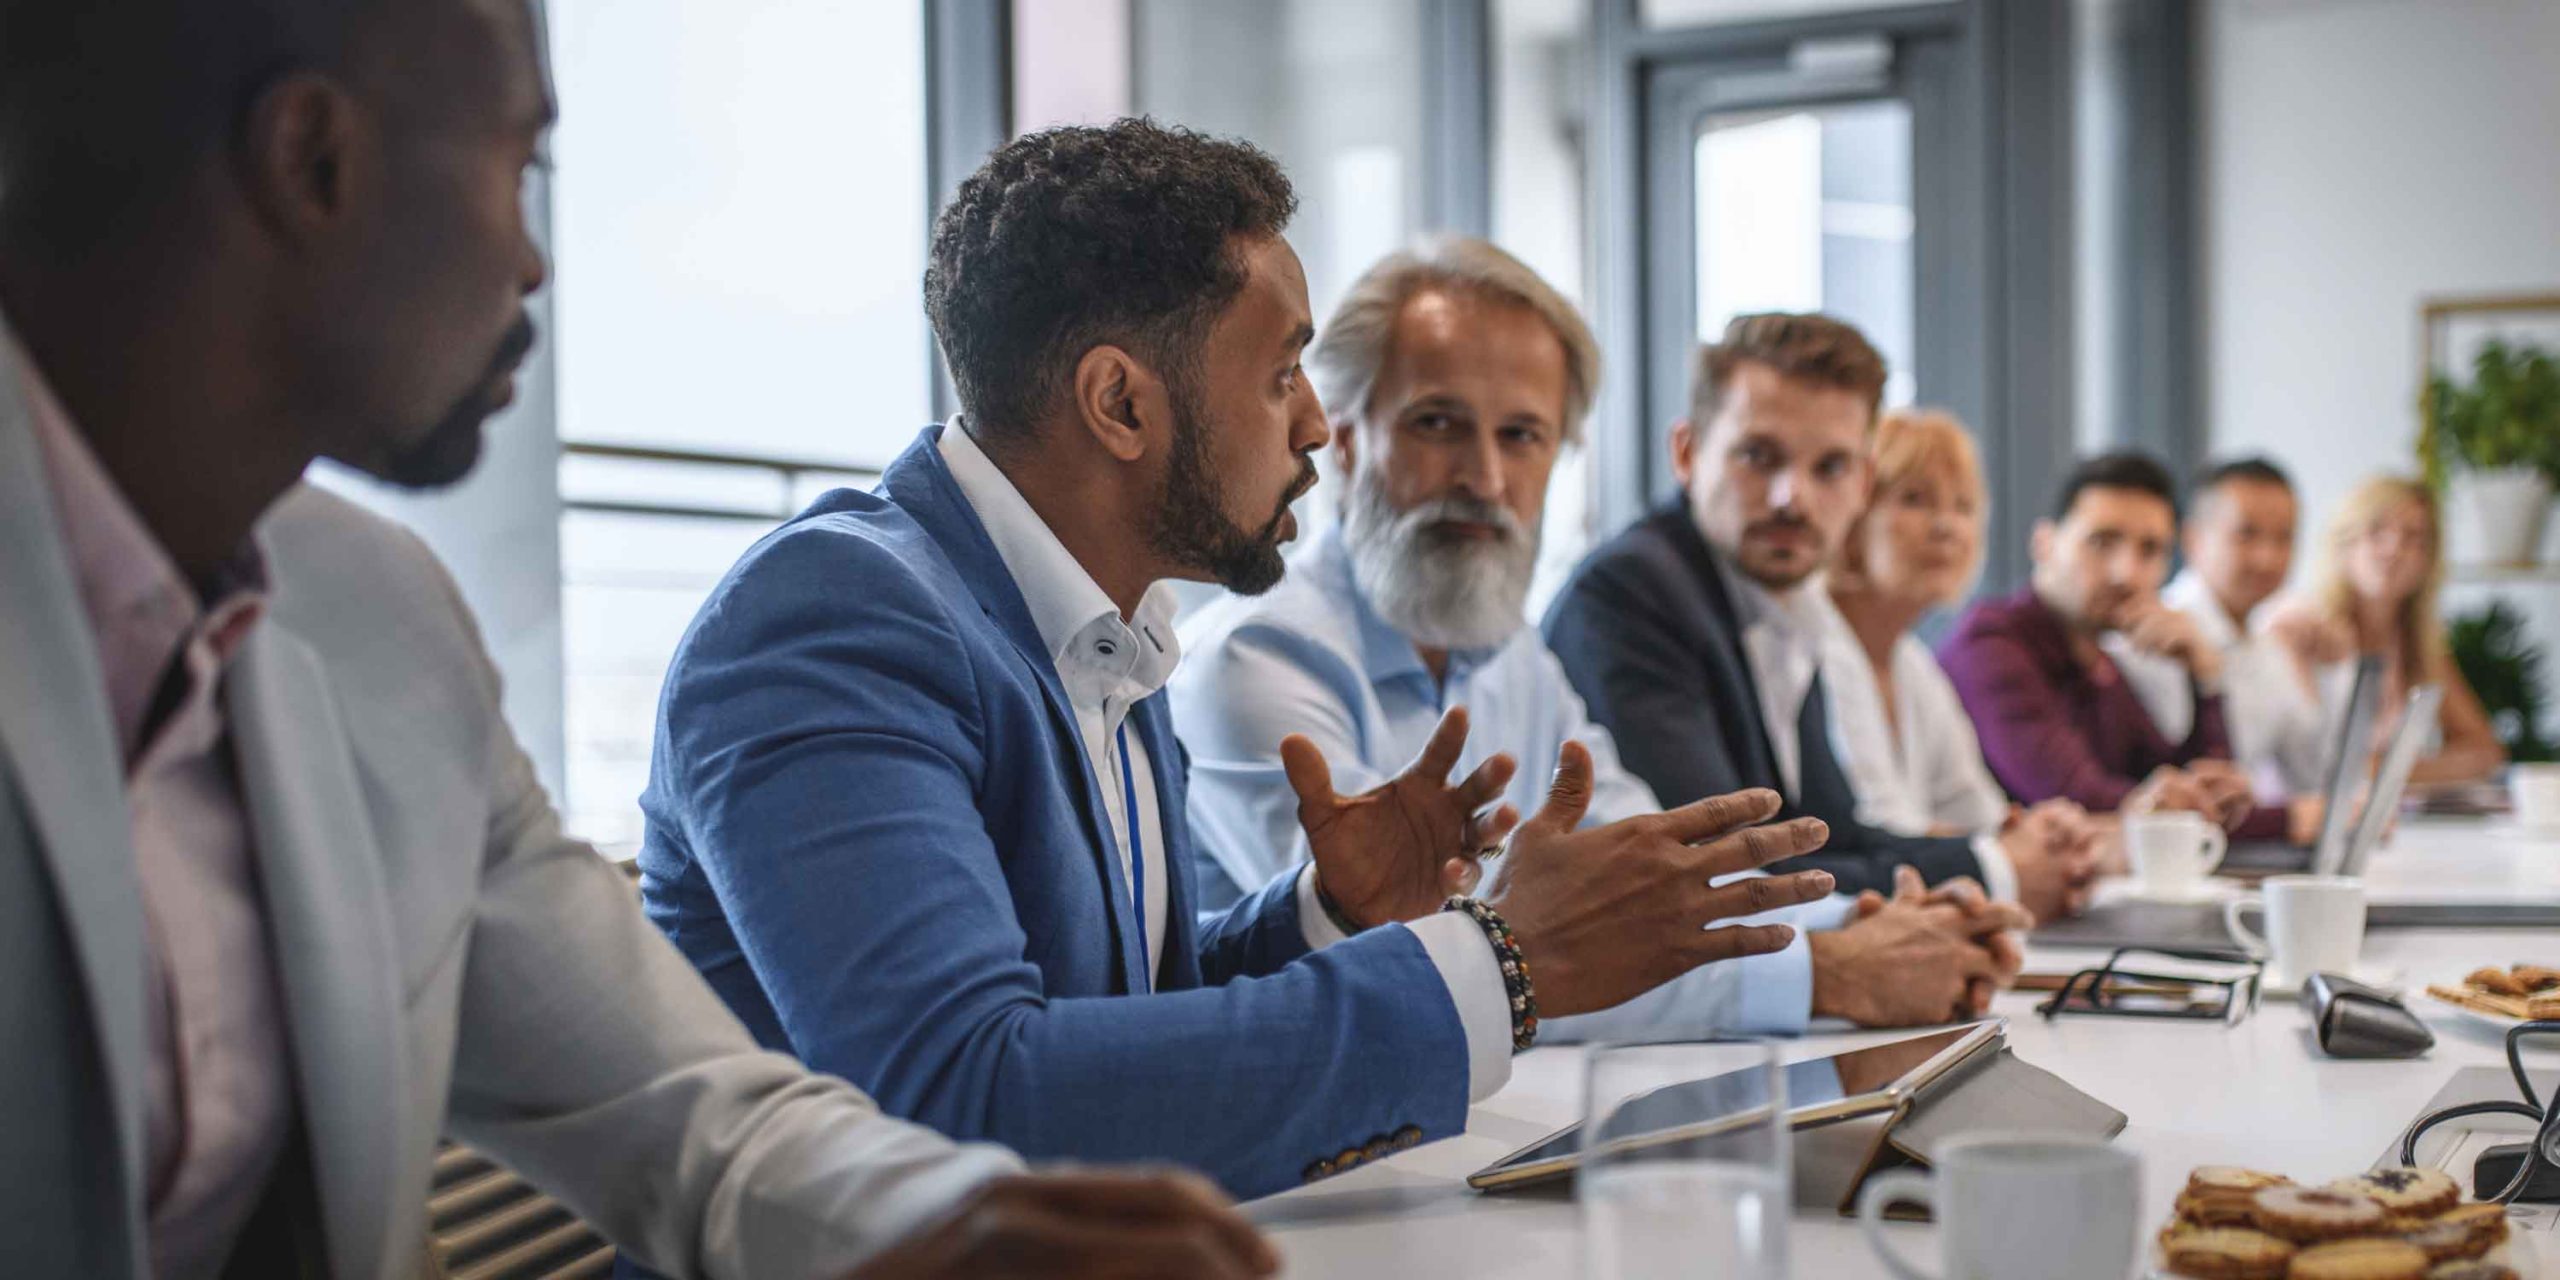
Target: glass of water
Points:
(1686, 1162)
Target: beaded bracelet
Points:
(1515, 969)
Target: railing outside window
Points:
(644, 536)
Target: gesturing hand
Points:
(1084, 1226)
(1603, 916)
(1397, 851)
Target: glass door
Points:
(1789, 179)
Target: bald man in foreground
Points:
(281, 902)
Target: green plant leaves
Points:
(2505, 669)
(2509, 414)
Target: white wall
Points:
(2361, 155)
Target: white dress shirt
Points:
(1921, 770)
(1108, 665)
(2271, 709)
(1784, 634)
(1782, 638)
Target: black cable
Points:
(2545, 1149)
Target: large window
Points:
(1809, 210)
(739, 232)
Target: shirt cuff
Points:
(1776, 988)
(1464, 956)
(1313, 924)
(1999, 876)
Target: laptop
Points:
(2350, 736)
(2189, 925)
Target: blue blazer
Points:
(870, 825)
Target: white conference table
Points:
(2258, 1094)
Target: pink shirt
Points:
(220, 1084)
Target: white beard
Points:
(1440, 594)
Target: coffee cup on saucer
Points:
(2172, 854)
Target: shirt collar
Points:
(2189, 594)
(1386, 654)
(1794, 612)
(139, 607)
(1078, 623)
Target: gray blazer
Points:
(450, 963)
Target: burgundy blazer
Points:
(2053, 727)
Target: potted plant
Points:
(2504, 667)
(2498, 438)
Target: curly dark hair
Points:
(1073, 237)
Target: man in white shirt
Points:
(2239, 542)
(1456, 376)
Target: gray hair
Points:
(1353, 344)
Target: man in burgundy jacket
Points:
(2055, 713)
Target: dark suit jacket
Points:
(1651, 640)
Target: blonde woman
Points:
(2374, 592)
(1902, 735)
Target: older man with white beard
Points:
(1456, 376)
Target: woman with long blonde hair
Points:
(2380, 570)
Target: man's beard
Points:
(451, 449)
(1442, 592)
(1189, 525)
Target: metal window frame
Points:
(968, 112)
(2147, 175)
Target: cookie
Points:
(2231, 1177)
(2473, 1271)
(2403, 1191)
(2359, 1260)
(2227, 1253)
(2446, 1241)
(2487, 1223)
(2497, 982)
(2535, 977)
(2307, 1215)
(2220, 1195)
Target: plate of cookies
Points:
(2388, 1224)
(2519, 993)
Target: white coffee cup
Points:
(2017, 1206)
(2172, 853)
(2535, 788)
(2315, 924)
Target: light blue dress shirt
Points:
(1311, 657)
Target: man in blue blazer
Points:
(916, 808)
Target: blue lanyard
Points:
(1137, 852)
